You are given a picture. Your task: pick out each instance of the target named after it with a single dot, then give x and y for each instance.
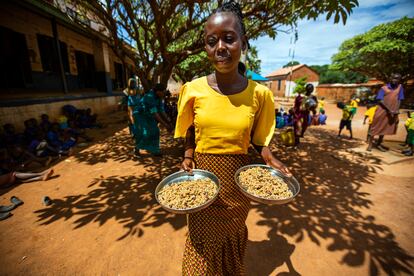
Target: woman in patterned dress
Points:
(301, 113)
(219, 116)
(385, 121)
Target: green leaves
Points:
(383, 50)
(300, 85)
(169, 33)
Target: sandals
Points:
(5, 210)
(46, 201)
(15, 202)
(5, 215)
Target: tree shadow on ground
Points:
(329, 208)
(127, 199)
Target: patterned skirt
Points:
(217, 235)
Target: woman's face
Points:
(223, 41)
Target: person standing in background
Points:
(385, 121)
(134, 106)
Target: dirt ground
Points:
(354, 216)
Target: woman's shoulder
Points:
(259, 89)
(195, 87)
(196, 83)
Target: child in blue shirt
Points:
(322, 117)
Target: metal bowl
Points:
(185, 176)
(292, 183)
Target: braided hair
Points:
(235, 9)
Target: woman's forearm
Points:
(130, 116)
(189, 143)
(160, 120)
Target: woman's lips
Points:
(223, 60)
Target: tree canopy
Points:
(383, 50)
(166, 33)
(291, 63)
(300, 85)
(327, 75)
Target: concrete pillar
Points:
(61, 69)
(103, 66)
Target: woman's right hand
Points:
(188, 164)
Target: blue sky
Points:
(320, 39)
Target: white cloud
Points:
(320, 39)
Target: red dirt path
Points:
(352, 217)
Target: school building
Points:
(50, 55)
(282, 81)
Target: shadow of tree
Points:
(127, 199)
(329, 207)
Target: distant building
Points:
(281, 81)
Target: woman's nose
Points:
(220, 45)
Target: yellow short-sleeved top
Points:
(370, 113)
(321, 103)
(226, 124)
(354, 104)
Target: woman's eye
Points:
(211, 41)
(229, 38)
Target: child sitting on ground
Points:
(10, 137)
(45, 123)
(288, 119)
(315, 119)
(86, 119)
(322, 117)
(31, 128)
(280, 122)
(39, 147)
(62, 146)
(76, 132)
(8, 175)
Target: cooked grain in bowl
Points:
(260, 182)
(187, 194)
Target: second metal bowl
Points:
(292, 183)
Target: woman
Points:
(134, 107)
(220, 115)
(385, 121)
(301, 111)
(148, 115)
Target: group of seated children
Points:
(43, 140)
(286, 119)
(283, 119)
(316, 119)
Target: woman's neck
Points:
(227, 84)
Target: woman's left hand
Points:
(271, 160)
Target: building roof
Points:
(284, 71)
(254, 76)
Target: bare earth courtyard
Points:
(354, 215)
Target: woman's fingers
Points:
(280, 166)
(187, 165)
